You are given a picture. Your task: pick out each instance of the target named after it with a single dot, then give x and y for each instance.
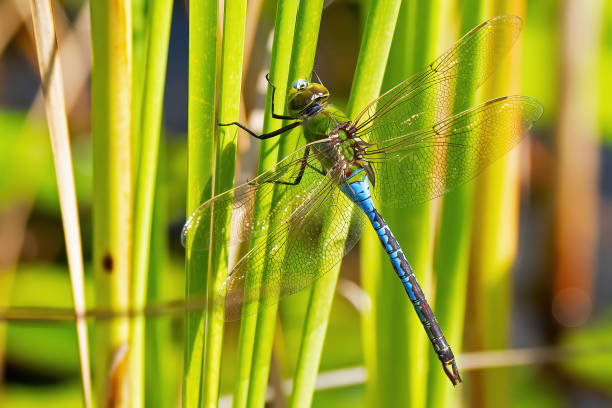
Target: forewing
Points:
(272, 199)
(422, 100)
(298, 249)
(419, 166)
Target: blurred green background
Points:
(559, 350)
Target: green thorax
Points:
(308, 102)
(321, 125)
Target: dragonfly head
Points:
(305, 99)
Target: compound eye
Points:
(300, 84)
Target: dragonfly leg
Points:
(274, 115)
(301, 173)
(265, 135)
(321, 172)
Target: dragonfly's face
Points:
(303, 96)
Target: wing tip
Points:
(537, 109)
(506, 17)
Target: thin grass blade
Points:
(52, 85)
(154, 70)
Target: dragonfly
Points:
(302, 215)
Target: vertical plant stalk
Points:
(279, 71)
(604, 74)
(386, 324)
(14, 219)
(234, 22)
(373, 54)
(163, 379)
(392, 323)
(451, 258)
(111, 25)
(140, 31)
(52, 85)
(154, 69)
(305, 40)
(495, 233)
(306, 34)
(203, 16)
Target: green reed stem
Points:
(203, 16)
(154, 69)
(375, 45)
(111, 30)
(395, 345)
(162, 367)
(495, 233)
(234, 21)
(280, 62)
(387, 325)
(303, 53)
(140, 28)
(451, 258)
(279, 69)
(306, 34)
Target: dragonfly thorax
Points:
(349, 151)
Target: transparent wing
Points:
(298, 249)
(427, 97)
(271, 197)
(300, 231)
(419, 166)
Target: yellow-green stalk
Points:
(111, 33)
(451, 258)
(162, 376)
(279, 70)
(495, 232)
(203, 16)
(399, 350)
(154, 70)
(307, 22)
(374, 50)
(234, 21)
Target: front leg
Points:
(265, 135)
(274, 115)
(300, 174)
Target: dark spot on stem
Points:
(107, 263)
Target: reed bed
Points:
(157, 333)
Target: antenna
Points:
(317, 75)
